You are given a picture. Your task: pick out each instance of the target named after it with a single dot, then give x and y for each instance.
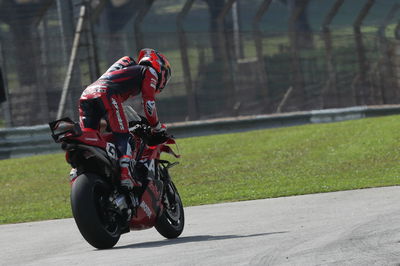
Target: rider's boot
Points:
(73, 174)
(126, 178)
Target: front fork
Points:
(169, 195)
(127, 202)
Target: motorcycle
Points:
(101, 207)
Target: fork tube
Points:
(141, 149)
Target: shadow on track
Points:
(188, 239)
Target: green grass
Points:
(34, 188)
(232, 167)
(290, 161)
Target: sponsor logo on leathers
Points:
(153, 82)
(119, 118)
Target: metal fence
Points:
(225, 64)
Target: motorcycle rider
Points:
(104, 98)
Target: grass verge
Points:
(232, 167)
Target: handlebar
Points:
(143, 130)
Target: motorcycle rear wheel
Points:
(89, 202)
(171, 222)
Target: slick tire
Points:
(171, 222)
(89, 197)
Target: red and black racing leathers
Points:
(104, 98)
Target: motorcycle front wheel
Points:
(92, 212)
(171, 222)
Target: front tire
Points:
(91, 211)
(171, 222)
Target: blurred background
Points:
(229, 57)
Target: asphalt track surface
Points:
(359, 227)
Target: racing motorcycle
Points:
(101, 207)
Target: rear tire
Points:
(171, 222)
(89, 202)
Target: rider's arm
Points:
(148, 94)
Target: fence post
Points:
(146, 5)
(72, 60)
(330, 97)
(47, 74)
(66, 18)
(6, 104)
(396, 58)
(388, 86)
(93, 60)
(257, 36)
(362, 93)
(228, 71)
(298, 96)
(191, 96)
(97, 10)
(397, 31)
(237, 37)
(66, 26)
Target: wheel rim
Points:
(106, 214)
(174, 213)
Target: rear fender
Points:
(93, 159)
(64, 128)
(92, 138)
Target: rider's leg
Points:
(119, 126)
(90, 114)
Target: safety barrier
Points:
(26, 141)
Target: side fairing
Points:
(150, 206)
